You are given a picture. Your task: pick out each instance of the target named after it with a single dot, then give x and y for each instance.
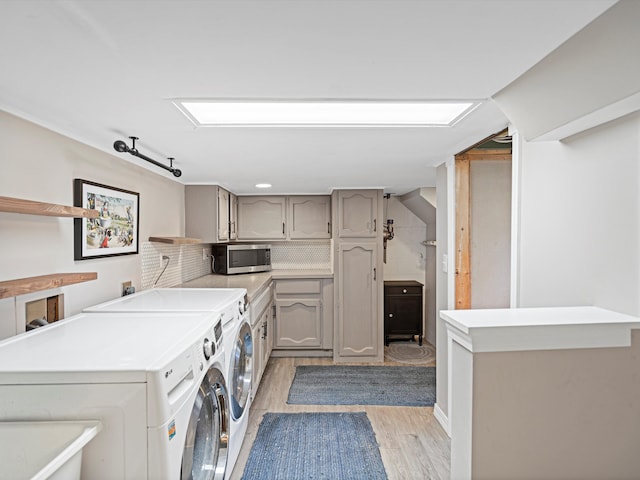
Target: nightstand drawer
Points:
(406, 290)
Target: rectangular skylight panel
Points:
(204, 112)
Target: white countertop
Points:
(550, 328)
(255, 283)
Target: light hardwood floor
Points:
(413, 445)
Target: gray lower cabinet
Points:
(358, 284)
(298, 323)
(266, 337)
(261, 328)
(301, 320)
(262, 345)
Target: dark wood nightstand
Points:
(402, 310)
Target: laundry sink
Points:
(44, 450)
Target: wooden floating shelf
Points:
(176, 240)
(11, 288)
(30, 207)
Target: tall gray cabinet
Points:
(359, 326)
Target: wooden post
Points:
(463, 237)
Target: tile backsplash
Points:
(301, 255)
(185, 263)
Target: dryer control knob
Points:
(208, 348)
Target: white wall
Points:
(490, 219)
(580, 219)
(406, 254)
(39, 164)
(591, 78)
(442, 282)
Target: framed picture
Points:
(115, 231)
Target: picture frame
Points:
(115, 231)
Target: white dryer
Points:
(154, 381)
(238, 347)
(232, 305)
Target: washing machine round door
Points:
(242, 362)
(205, 449)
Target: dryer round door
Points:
(206, 444)
(241, 370)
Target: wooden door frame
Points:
(463, 274)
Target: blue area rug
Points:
(331, 446)
(363, 385)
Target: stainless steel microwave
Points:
(232, 258)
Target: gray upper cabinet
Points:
(309, 217)
(358, 213)
(223, 215)
(296, 217)
(233, 217)
(207, 213)
(262, 217)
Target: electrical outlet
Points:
(126, 288)
(160, 260)
(205, 255)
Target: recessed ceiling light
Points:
(240, 112)
(263, 185)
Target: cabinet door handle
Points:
(391, 315)
(374, 274)
(328, 227)
(283, 228)
(375, 224)
(404, 290)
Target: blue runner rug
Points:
(330, 446)
(363, 385)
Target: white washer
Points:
(154, 381)
(237, 341)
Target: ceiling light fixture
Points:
(336, 113)
(263, 185)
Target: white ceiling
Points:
(99, 71)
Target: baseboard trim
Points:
(301, 353)
(443, 420)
